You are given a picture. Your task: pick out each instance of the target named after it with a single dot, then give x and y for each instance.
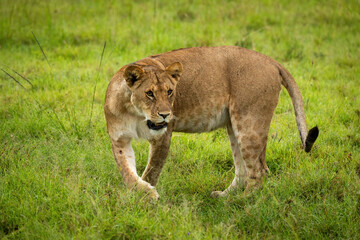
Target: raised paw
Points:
(153, 194)
(218, 194)
(148, 189)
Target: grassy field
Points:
(58, 179)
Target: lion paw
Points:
(148, 189)
(218, 194)
(153, 194)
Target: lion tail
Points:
(307, 138)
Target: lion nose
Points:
(163, 115)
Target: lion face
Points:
(153, 92)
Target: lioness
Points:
(198, 90)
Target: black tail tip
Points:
(311, 138)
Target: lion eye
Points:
(170, 92)
(150, 93)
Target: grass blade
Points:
(41, 106)
(23, 78)
(13, 78)
(93, 99)
(101, 58)
(41, 49)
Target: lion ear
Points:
(132, 74)
(175, 70)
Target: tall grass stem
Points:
(97, 78)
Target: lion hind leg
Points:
(248, 138)
(240, 168)
(252, 136)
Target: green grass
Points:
(58, 179)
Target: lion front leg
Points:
(125, 160)
(159, 150)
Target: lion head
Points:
(153, 92)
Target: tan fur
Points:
(212, 87)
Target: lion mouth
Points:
(156, 126)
